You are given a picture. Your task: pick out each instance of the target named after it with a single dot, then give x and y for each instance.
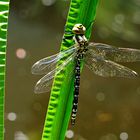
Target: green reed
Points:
(61, 98)
(4, 10)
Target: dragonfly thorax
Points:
(82, 44)
(79, 31)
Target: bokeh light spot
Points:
(119, 18)
(48, 2)
(100, 96)
(123, 136)
(69, 134)
(20, 53)
(11, 116)
(19, 135)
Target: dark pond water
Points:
(109, 108)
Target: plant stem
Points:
(4, 7)
(60, 103)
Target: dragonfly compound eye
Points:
(78, 29)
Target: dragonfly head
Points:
(78, 29)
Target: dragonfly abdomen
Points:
(76, 90)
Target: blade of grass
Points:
(60, 103)
(4, 7)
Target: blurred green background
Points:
(109, 108)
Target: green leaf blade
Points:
(4, 7)
(60, 104)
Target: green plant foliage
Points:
(4, 5)
(60, 104)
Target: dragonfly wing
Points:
(45, 65)
(107, 68)
(115, 54)
(44, 84)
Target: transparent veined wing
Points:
(47, 64)
(44, 84)
(115, 54)
(107, 68)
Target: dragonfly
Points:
(101, 59)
